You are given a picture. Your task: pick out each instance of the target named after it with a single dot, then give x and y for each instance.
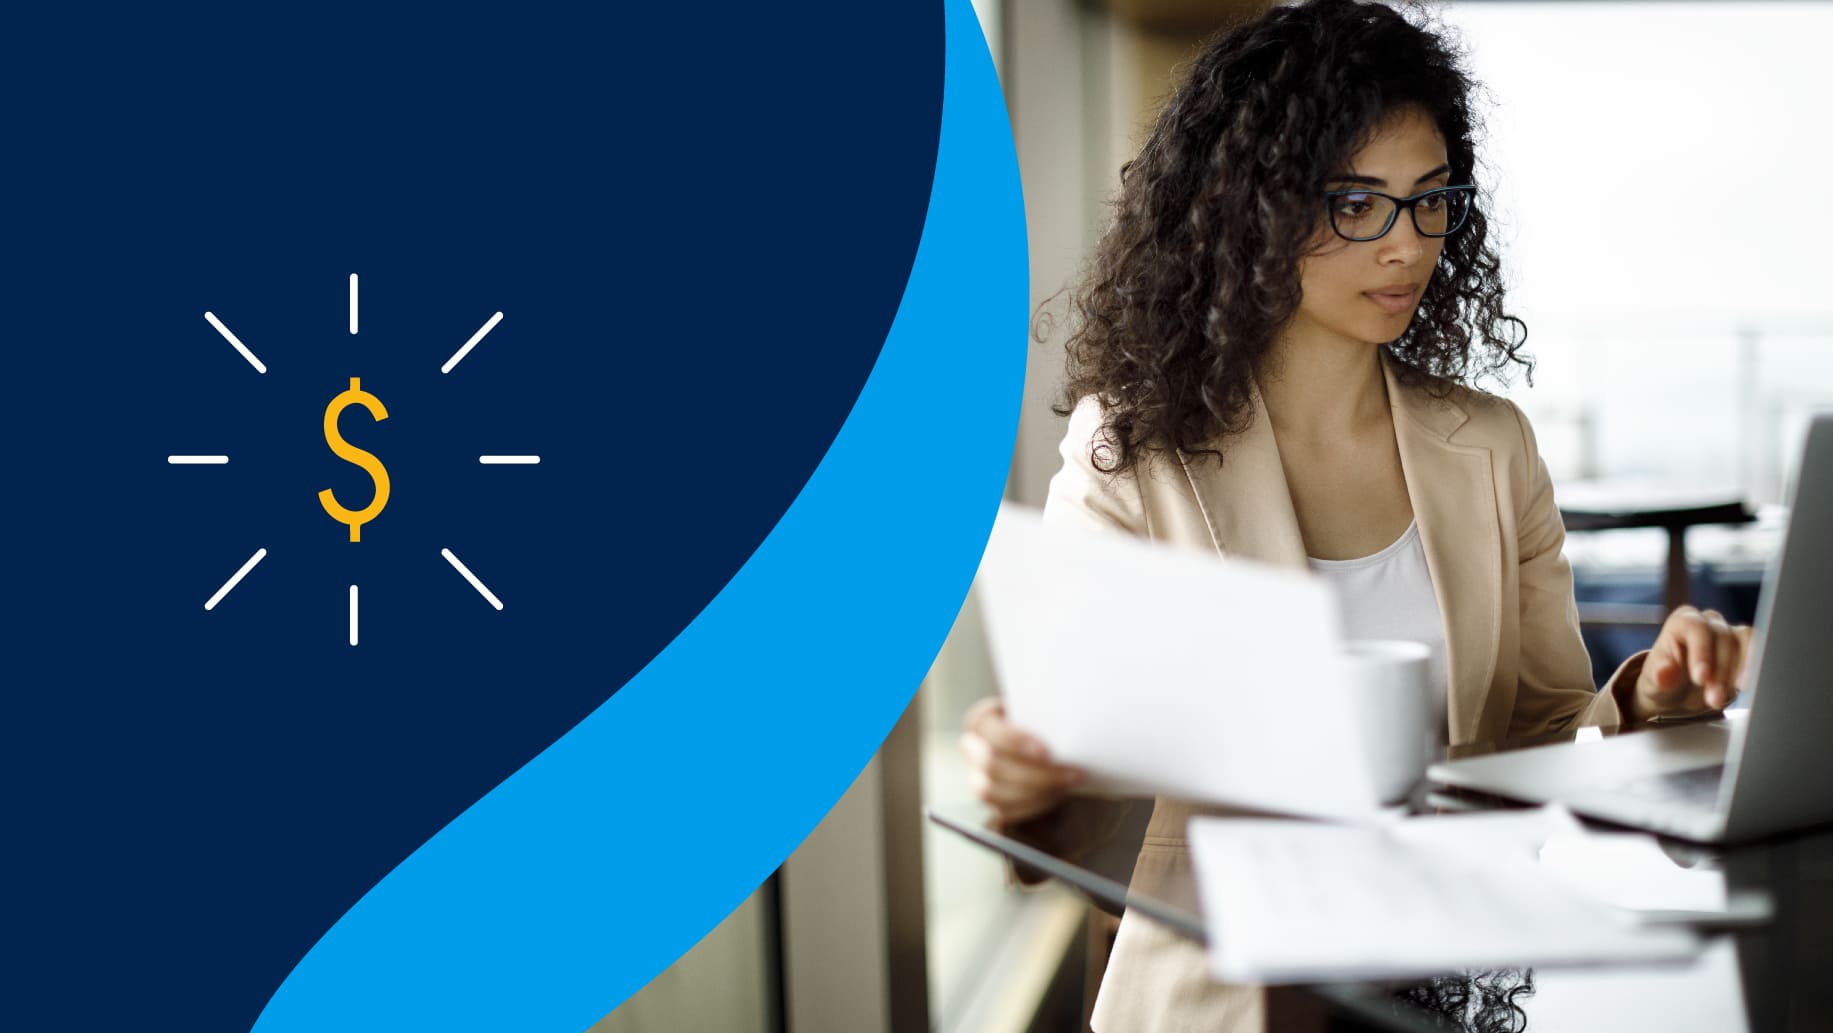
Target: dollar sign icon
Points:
(351, 454)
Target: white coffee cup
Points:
(1394, 710)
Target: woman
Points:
(1272, 358)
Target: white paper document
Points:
(1296, 901)
(1625, 870)
(1706, 994)
(1173, 671)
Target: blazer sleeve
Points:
(1554, 693)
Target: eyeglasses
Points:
(1366, 215)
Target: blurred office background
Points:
(1655, 170)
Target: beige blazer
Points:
(1493, 542)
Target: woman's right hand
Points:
(1011, 771)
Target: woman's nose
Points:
(1402, 244)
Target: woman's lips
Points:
(1393, 303)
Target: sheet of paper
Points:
(1296, 901)
(1707, 994)
(1482, 835)
(1628, 870)
(1172, 670)
(1631, 871)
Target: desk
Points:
(1778, 976)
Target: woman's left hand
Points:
(1696, 664)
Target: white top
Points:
(1389, 595)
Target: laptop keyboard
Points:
(1692, 786)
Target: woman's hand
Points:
(1696, 664)
(1011, 772)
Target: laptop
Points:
(1757, 772)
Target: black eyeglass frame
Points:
(1406, 204)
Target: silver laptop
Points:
(1759, 771)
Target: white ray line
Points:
(509, 460)
(489, 596)
(472, 343)
(353, 615)
(210, 317)
(353, 317)
(197, 460)
(260, 554)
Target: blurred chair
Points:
(1603, 505)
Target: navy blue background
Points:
(698, 226)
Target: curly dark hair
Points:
(1199, 271)
(1478, 1002)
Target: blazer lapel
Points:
(1248, 508)
(1245, 500)
(1453, 491)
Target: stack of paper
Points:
(1295, 901)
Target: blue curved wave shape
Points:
(586, 873)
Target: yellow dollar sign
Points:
(350, 453)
